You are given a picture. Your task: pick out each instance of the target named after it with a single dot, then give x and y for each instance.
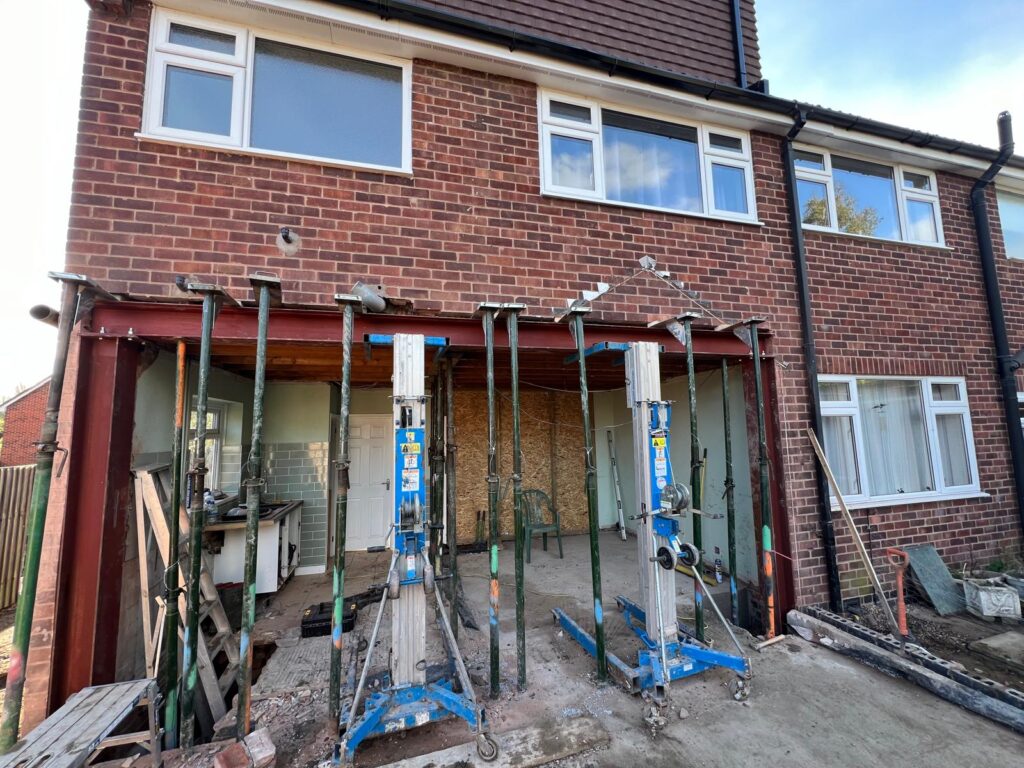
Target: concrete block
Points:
(235, 756)
(261, 748)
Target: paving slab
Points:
(1007, 648)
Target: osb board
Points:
(547, 419)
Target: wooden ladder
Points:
(152, 492)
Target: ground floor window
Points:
(897, 439)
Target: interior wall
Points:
(612, 413)
(552, 445)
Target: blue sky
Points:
(943, 66)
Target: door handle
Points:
(387, 484)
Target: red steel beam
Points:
(169, 322)
(99, 497)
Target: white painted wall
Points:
(611, 412)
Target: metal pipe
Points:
(369, 649)
(45, 449)
(197, 515)
(45, 314)
(172, 684)
(695, 480)
(254, 487)
(451, 502)
(492, 502)
(591, 491)
(741, 54)
(517, 496)
(730, 498)
(810, 350)
(767, 546)
(341, 507)
(436, 470)
(1006, 363)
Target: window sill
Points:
(872, 238)
(915, 499)
(652, 208)
(272, 155)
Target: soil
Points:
(6, 638)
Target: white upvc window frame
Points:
(1003, 196)
(707, 156)
(239, 66)
(932, 409)
(903, 195)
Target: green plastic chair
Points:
(542, 518)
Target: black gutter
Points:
(741, 54)
(521, 41)
(1006, 363)
(828, 534)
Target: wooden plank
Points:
(65, 720)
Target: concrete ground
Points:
(808, 706)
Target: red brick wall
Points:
(470, 225)
(22, 422)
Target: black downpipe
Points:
(741, 53)
(828, 534)
(1006, 363)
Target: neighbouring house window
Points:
(1011, 217)
(862, 197)
(221, 85)
(898, 439)
(596, 152)
(214, 443)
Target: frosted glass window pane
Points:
(865, 198)
(651, 162)
(325, 105)
(946, 391)
(730, 188)
(813, 203)
(956, 468)
(834, 391)
(841, 453)
(921, 220)
(895, 437)
(572, 162)
(204, 39)
(197, 101)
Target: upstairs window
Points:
(862, 197)
(1011, 217)
(594, 152)
(222, 85)
(895, 440)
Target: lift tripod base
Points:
(686, 656)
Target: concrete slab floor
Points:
(808, 706)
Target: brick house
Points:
(23, 417)
(474, 151)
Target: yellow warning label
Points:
(658, 442)
(410, 447)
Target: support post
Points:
(576, 315)
(72, 286)
(695, 478)
(517, 492)
(451, 502)
(172, 683)
(490, 312)
(267, 289)
(212, 299)
(730, 499)
(436, 469)
(767, 546)
(348, 305)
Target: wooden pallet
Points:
(219, 647)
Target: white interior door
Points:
(369, 499)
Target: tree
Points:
(862, 222)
